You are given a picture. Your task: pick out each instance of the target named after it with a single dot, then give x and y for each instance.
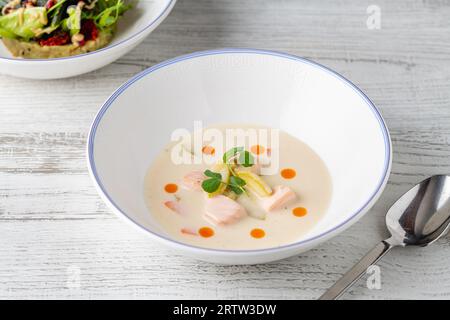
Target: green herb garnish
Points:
(231, 154)
(236, 155)
(239, 154)
(213, 183)
(246, 159)
(236, 185)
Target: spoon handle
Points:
(357, 271)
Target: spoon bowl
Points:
(422, 215)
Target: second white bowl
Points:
(132, 29)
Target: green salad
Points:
(30, 28)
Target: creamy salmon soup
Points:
(237, 187)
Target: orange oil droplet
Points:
(208, 150)
(299, 212)
(257, 149)
(206, 232)
(257, 233)
(288, 173)
(171, 188)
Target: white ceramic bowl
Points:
(133, 27)
(298, 96)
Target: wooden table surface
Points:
(58, 239)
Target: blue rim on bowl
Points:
(121, 89)
(167, 9)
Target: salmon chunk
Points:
(175, 206)
(193, 180)
(189, 231)
(280, 197)
(221, 210)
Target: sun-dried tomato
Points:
(58, 39)
(89, 30)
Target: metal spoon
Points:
(418, 218)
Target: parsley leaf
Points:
(244, 157)
(230, 154)
(211, 185)
(212, 174)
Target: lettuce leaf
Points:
(109, 16)
(59, 11)
(23, 23)
(6, 34)
(73, 22)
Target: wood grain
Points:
(52, 222)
